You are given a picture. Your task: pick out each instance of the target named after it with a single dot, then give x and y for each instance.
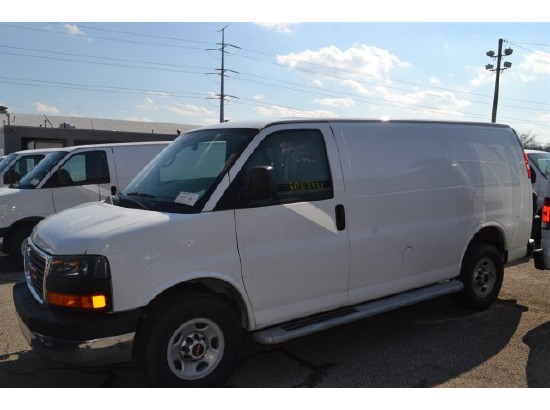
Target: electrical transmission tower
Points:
(222, 95)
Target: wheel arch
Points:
(492, 235)
(212, 286)
(32, 220)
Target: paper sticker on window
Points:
(187, 198)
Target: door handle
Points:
(340, 217)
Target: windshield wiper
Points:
(141, 194)
(125, 201)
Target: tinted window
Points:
(81, 169)
(299, 162)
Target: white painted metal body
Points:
(124, 160)
(414, 193)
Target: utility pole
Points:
(222, 71)
(222, 92)
(498, 70)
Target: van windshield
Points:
(6, 161)
(182, 177)
(38, 173)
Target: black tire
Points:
(15, 242)
(205, 338)
(482, 274)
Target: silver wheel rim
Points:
(485, 276)
(195, 349)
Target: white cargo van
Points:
(64, 178)
(16, 165)
(281, 229)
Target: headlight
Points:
(82, 282)
(85, 267)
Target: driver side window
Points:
(82, 169)
(300, 165)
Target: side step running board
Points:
(306, 326)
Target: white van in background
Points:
(67, 177)
(280, 229)
(16, 165)
(539, 161)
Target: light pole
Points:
(498, 70)
(4, 110)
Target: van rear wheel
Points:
(191, 340)
(482, 274)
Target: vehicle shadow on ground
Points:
(8, 265)
(538, 341)
(418, 346)
(27, 369)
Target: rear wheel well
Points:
(492, 236)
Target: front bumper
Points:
(75, 338)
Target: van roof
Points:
(74, 147)
(259, 124)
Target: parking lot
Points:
(433, 344)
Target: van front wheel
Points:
(17, 241)
(482, 274)
(192, 340)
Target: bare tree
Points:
(529, 141)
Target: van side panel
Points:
(404, 224)
(490, 162)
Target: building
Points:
(27, 131)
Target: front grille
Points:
(36, 265)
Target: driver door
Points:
(78, 180)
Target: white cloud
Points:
(484, 76)
(538, 63)
(73, 29)
(336, 102)
(259, 97)
(190, 110)
(45, 109)
(140, 119)
(360, 60)
(357, 87)
(284, 112)
(279, 27)
(434, 80)
(148, 105)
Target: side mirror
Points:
(11, 177)
(261, 184)
(533, 175)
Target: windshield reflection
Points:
(38, 173)
(6, 161)
(183, 176)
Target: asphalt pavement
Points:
(432, 344)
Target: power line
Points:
(319, 90)
(101, 37)
(267, 81)
(96, 57)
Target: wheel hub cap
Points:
(195, 349)
(194, 346)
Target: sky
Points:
(404, 60)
